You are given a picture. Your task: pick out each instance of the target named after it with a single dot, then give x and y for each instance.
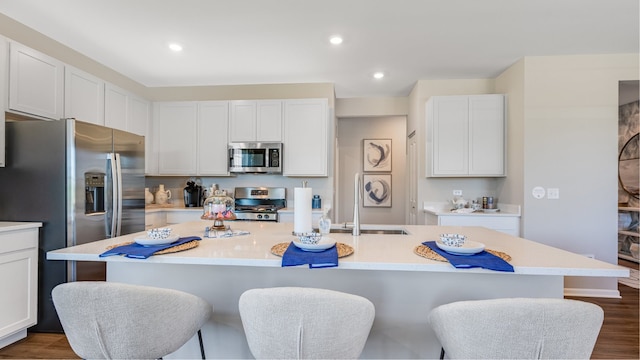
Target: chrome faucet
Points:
(356, 206)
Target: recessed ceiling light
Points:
(336, 40)
(378, 75)
(175, 47)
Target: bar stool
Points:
(305, 323)
(105, 320)
(517, 328)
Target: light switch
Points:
(553, 193)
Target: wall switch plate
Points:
(457, 192)
(553, 193)
(538, 192)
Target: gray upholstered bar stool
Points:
(105, 320)
(305, 323)
(517, 328)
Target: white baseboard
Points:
(600, 293)
(10, 339)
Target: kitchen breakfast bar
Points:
(384, 268)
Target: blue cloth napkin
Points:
(294, 256)
(482, 259)
(137, 251)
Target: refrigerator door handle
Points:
(119, 195)
(114, 194)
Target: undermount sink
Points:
(371, 231)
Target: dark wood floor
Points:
(619, 337)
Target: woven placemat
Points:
(426, 252)
(343, 249)
(181, 247)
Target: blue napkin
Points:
(137, 251)
(482, 259)
(294, 256)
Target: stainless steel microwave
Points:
(255, 157)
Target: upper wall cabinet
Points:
(175, 128)
(305, 137)
(36, 83)
(465, 136)
(191, 138)
(255, 120)
(213, 123)
(126, 111)
(83, 96)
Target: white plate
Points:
(490, 210)
(468, 248)
(149, 242)
(323, 244)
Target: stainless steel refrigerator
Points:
(84, 182)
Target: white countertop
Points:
(445, 209)
(13, 226)
(372, 252)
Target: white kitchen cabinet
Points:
(506, 224)
(212, 130)
(19, 279)
(175, 140)
(36, 82)
(179, 216)
(465, 136)
(255, 120)
(126, 111)
(138, 115)
(4, 90)
(155, 219)
(83, 96)
(305, 137)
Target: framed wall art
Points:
(376, 190)
(377, 154)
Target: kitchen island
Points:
(403, 286)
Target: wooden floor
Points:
(619, 337)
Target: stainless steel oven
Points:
(259, 203)
(255, 157)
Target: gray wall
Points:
(351, 132)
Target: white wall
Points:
(570, 143)
(511, 83)
(351, 132)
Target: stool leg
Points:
(201, 344)
(441, 353)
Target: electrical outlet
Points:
(553, 193)
(457, 192)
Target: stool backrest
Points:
(517, 328)
(305, 323)
(105, 320)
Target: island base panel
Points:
(402, 299)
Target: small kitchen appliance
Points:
(259, 203)
(255, 157)
(192, 195)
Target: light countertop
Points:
(6, 226)
(445, 209)
(372, 251)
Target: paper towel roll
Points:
(302, 210)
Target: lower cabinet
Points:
(155, 219)
(506, 224)
(19, 279)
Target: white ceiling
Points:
(229, 42)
